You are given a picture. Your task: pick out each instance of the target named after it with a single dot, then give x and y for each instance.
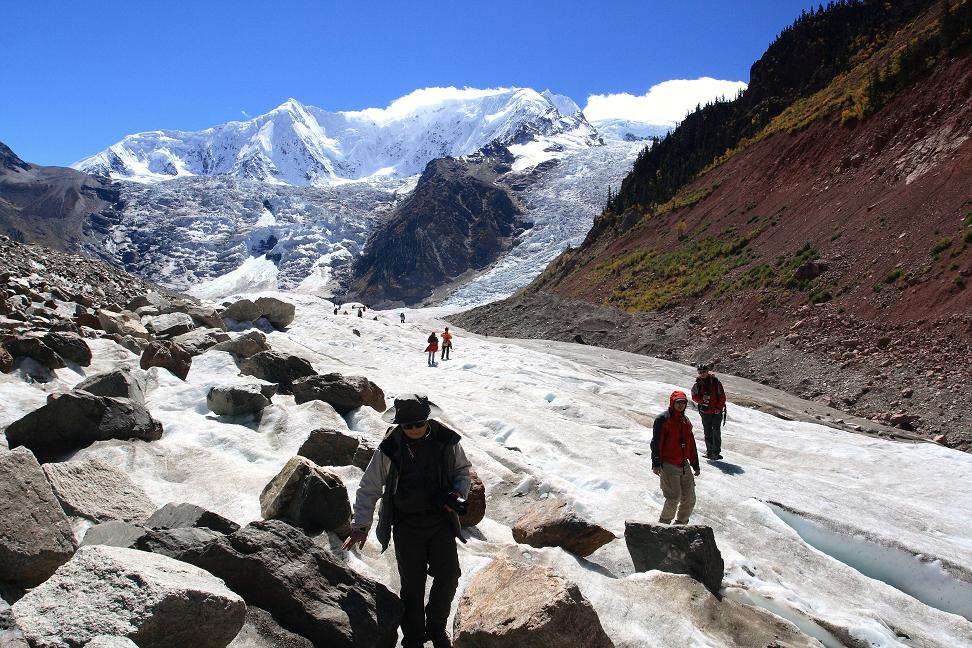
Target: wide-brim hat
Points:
(411, 408)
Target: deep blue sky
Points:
(77, 76)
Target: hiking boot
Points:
(439, 637)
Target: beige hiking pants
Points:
(678, 487)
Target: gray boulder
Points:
(554, 523)
(197, 341)
(77, 419)
(123, 382)
(682, 549)
(280, 368)
(261, 630)
(328, 447)
(114, 534)
(35, 535)
(246, 345)
(124, 324)
(98, 491)
(279, 313)
(516, 604)
(168, 355)
(185, 515)
(33, 347)
(275, 566)
(170, 325)
(243, 310)
(305, 495)
(204, 316)
(155, 601)
(172, 542)
(363, 454)
(150, 299)
(69, 346)
(236, 400)
(343, 393)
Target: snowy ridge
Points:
(303, 145)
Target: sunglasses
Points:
(414, 426)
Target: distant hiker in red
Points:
(446, 343)
(674, 459)
(708, 394)
(433, 348)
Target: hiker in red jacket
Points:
(708, 394)
(433, 348)
(674, 459)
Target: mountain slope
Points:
(303, 145)
(828, 253)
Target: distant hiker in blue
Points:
(421, 475)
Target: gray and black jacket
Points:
(380, 480)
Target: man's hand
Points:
(356, 538)
(656, 470)
(449, 508)
(697, 472)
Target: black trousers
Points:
(712, 424)
(425, 545)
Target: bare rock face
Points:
(328, 447)
(35, 535)
(554, 523)
(515, 604)
(153, 600)
(276, 567)
(682, 549)
(77, 419)
(236, 400)
(476, 500)
(97, 491)
(123, 382)
(168, 355)
(122, 323)
(177, 516)
(261, 630)
(170, 325)
(305, 495)
(198, 340)
(69, 346)
(244, 346)
(343, 393)
(280, 368)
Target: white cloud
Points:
(245, 114)
(665, 103)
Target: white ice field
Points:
(857, 541)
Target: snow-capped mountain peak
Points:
(298, 144)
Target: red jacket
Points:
(671, 440)
(711, 387)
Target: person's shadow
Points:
(726, 467)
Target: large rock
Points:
(236, 400)
(277, 312)
(275, 566)
(173, 542)
(35, 535)
(246, 345)
(308, 496)
(204, 315)
(280, 368)
(170, 325)
(114, 534)
(185, 515)
(363, 454)
(515, 604)
(554, 523)
(155, 601)
(681, 549)
(33, 347)
(149, 299)
(97, 491)
(343, 393)
(168, 355)
(197, 341)
(122, 382)
(476, 500)
(244, 310)
(69, 346)
(261, 630)
(328, 447)
(78, 419)
(124, 324)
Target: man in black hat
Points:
(710, 398)
(421, 475)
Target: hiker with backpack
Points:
(710, 398)
(421, 475)
(675, 459)
(433, 348)
(446, 343)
